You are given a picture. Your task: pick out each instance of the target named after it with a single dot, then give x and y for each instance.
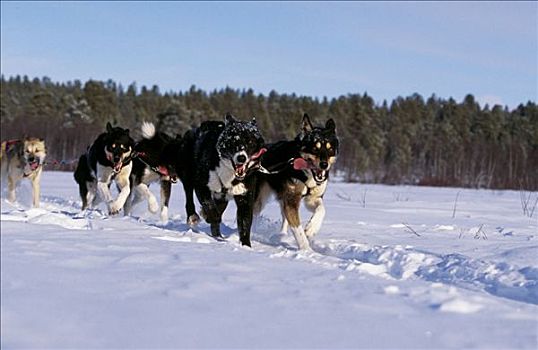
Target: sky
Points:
(384, 49)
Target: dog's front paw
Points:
(193, 220)
(153, 206)
(11, 198)
(312, 228)
(164, 215)
(310, 231)
(114, 208)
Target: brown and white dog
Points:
(299, 170)
(23, 159)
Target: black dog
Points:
(157, 159)
(299, 169)
(224, 156)
(108, 158)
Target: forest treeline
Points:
(410, 140)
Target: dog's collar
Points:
(10, 143)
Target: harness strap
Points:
(277, 168)
(152, 168)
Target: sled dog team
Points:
(219, 161)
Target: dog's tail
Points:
(148, 130)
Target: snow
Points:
(391, 268)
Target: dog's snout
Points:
(241, 159)
(31, 159)
(323, 165)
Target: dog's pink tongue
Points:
(240, 169)
(300, 164)
(163, 170)
(34, 165)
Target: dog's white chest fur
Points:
(312, 188)
(220, 180)
(318, 190)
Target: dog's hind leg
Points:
(166, 190)
(92, 199)
(285, 225)
(11, 186)
(212, 209)
(192, 218)
(83, 191)
(314, 204)
(142, 191)
(291, 203)
(130, 201)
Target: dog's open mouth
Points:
(319, 175)
(240, 171)
(34, 165)
(117, 167)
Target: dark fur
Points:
(299, 169)
(159, 159)
(223, 160)
(107, 159)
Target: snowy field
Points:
(391, 269)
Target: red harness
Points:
(10, 144)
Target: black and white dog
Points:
(224, 157)
(108, 159)
(157, 157)
(299, 169)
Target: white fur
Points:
(314, 204)
(104, 177)
(148, 130)
(300, 237)
(91, 196)
(164, 214)
(222, 177)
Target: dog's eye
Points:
(328, 145)
(318, 144)
(113, 145)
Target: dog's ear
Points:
(330, 125)
(229, 118)
(108, 127)
(306, 125)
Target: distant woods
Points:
(410, 140)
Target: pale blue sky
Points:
(387, 49)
